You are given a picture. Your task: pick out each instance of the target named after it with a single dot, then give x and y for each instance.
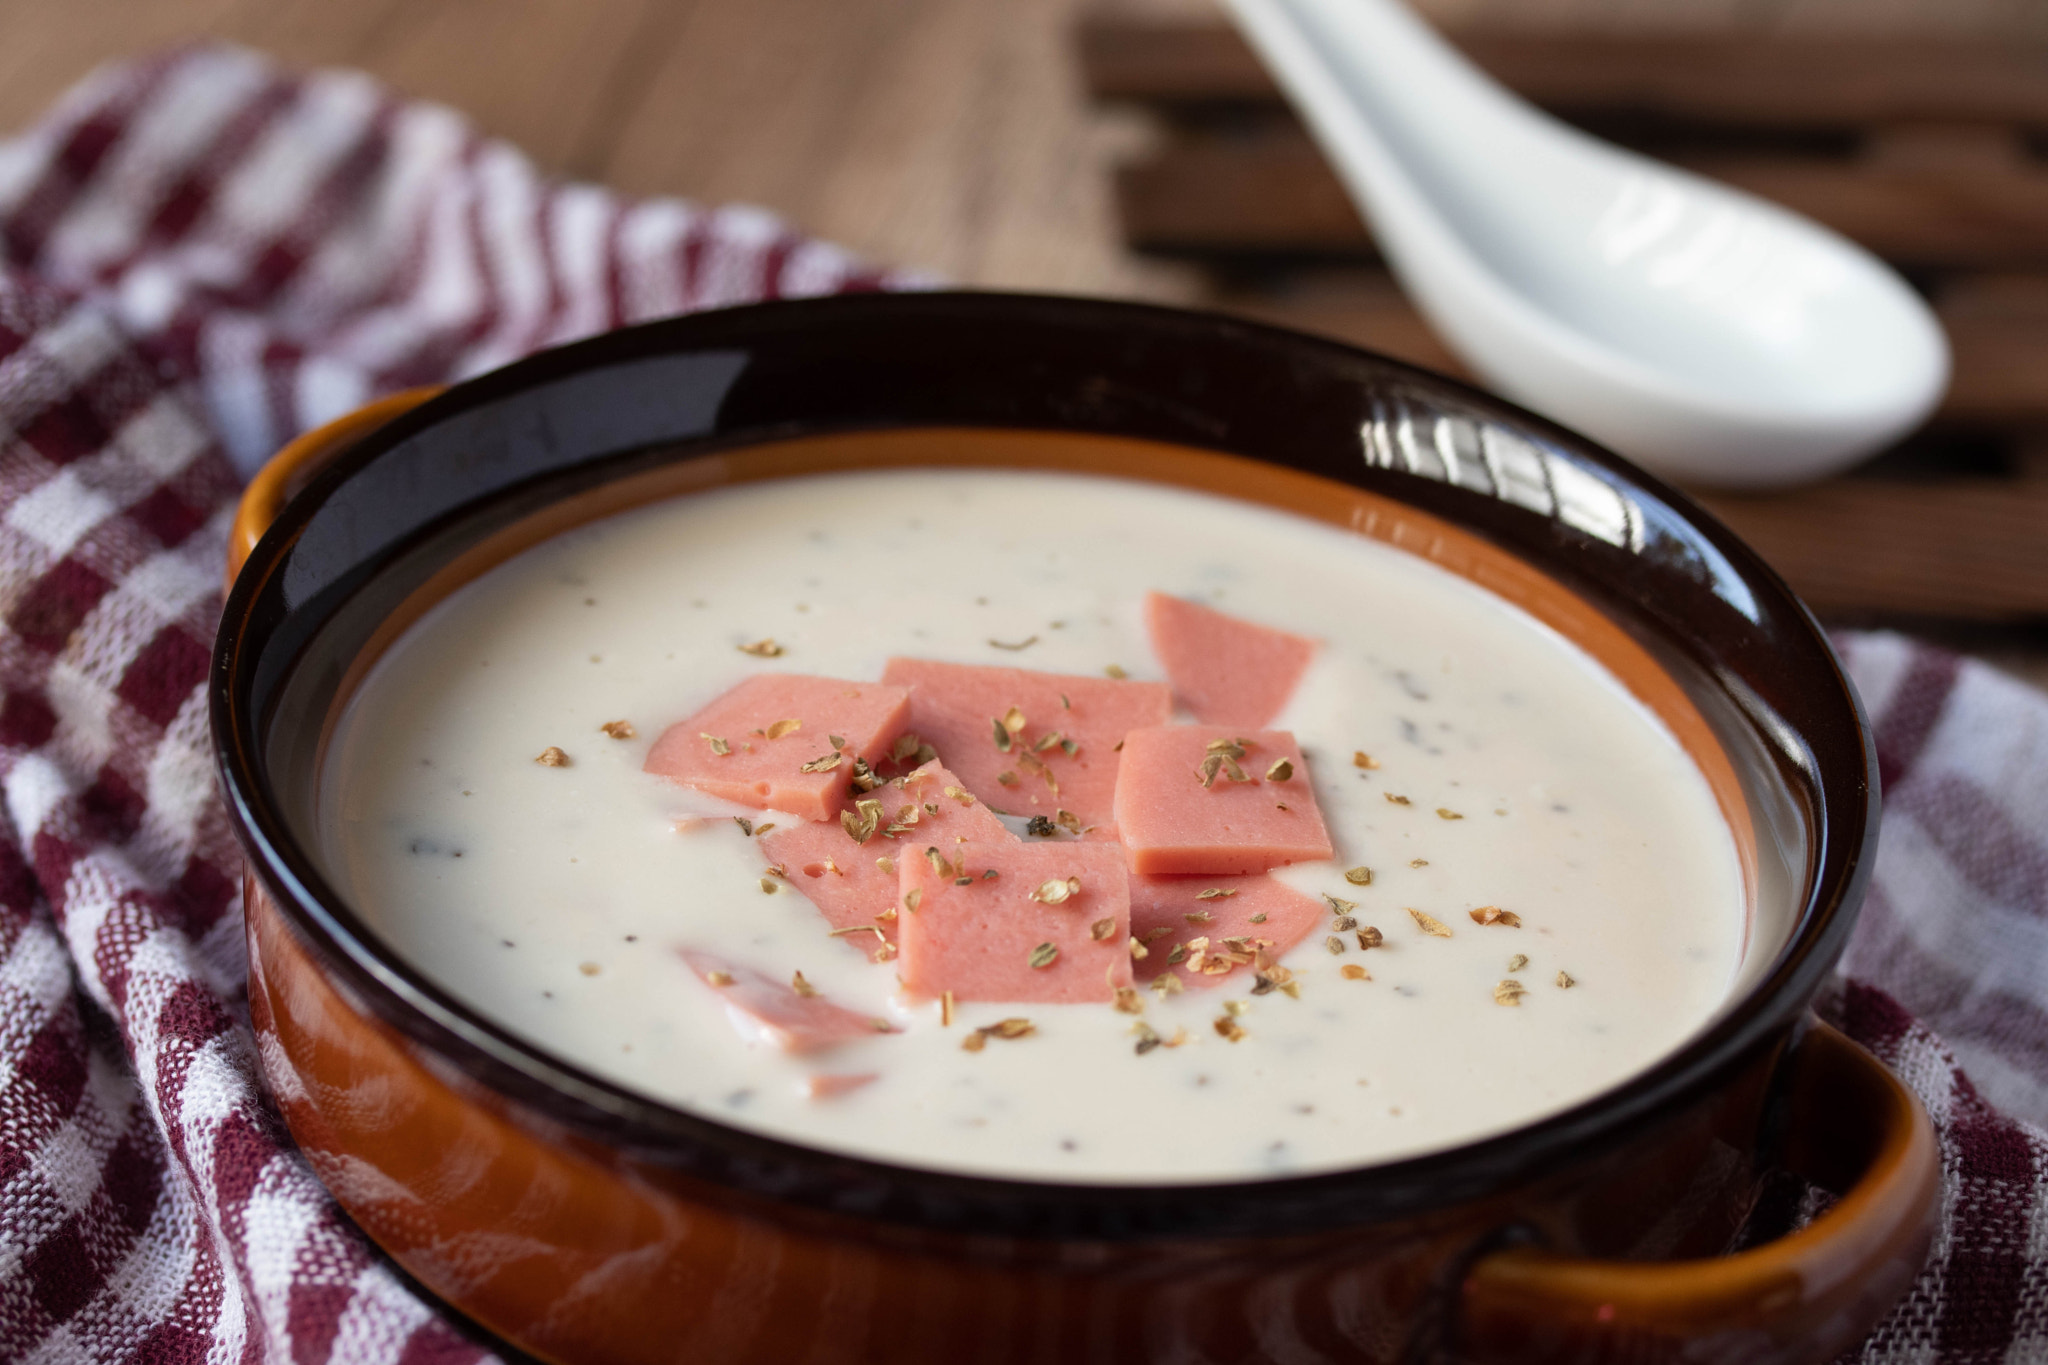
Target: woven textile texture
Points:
(201, 255)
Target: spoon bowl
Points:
(1718, 338)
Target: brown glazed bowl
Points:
(578, 1221)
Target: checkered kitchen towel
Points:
(201, 255)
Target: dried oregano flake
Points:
(861, 822)
(1002, 1028)
(1056, 891)
(1429, 924)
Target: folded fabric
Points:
(201, 255)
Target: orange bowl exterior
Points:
(578, 1241)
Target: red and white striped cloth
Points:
(201, 255)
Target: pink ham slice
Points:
(1226, 670)
(846, 880)
(956, 707)
(978, 940)
(763, 1006)
(769, 773)
(1252, 913)
(1172, 825)
(831, 1086)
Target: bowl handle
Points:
(293, 467)
(1807, 1296)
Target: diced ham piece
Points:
(1171, 823)
(830, 1085)
(727, 751)
(764, 1007)
(1226, 670)
(957, 707)
(979, 940)
(846, 880)
(1251, 913)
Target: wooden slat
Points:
(1273, 193)
(2001, 372)
(1748, 80)
(1969, 549)
(546, 75)
(943, 135)
(1364, 308)
(2001, 354)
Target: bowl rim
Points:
(786, 1175)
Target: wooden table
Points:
(953, 135)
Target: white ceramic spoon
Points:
(1715, 337)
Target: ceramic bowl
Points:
(578, 1221)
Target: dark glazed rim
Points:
(1121, 370)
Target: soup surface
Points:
(558, 900)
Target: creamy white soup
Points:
(558, 900)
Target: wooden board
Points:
(1817, 80)
(1270, 191)
(1932, 153)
